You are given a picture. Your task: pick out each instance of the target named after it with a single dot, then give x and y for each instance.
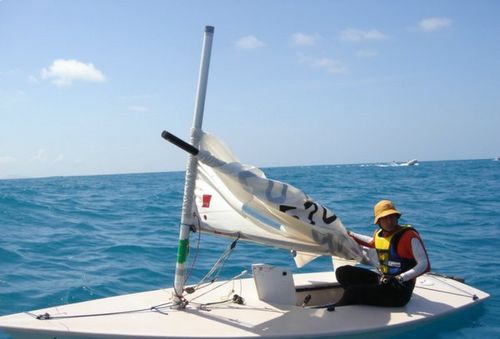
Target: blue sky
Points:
(86, 87)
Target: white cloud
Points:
(327, 64)
(301, 39)
(32, 79)
(4, 160)
(40, 155)
(249, 42)
(138, 108)
(356, 35)
(434, 24)
(59, 158)
(366, 53)
(65, 72)
(43, 157)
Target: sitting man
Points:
(402, 258)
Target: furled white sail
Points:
(233, 199)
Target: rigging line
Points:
(224, 283)
(468, 295)
(234, 288)
(216, 268)
(214, 302)
(219, 264)
(195, 258)
(436, 275)
(47, 316)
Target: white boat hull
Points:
(433, 298)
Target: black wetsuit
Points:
(362, 286)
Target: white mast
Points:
(187, 203)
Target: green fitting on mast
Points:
(182, 251)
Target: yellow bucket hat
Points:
(384, 208)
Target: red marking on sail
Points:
(206, 200)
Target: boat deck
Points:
(210, 315)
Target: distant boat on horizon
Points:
(411, 162)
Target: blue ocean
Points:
(70, 239)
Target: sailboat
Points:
(411, 162)
(225, 198)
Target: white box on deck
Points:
(274, 284)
